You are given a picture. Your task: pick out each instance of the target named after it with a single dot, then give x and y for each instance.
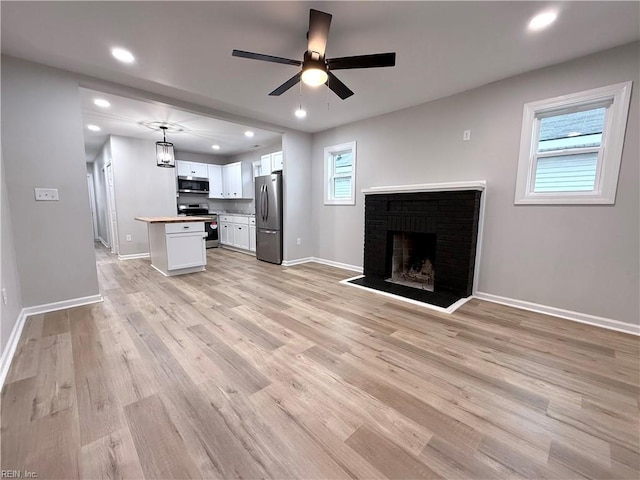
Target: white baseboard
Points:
(344, 266)
(602, 322)
(452, 308)
(12, 345)
(331, 263)
(298, 261)
(133, 256)
(16, 332)
(103, 242)
(52, 307)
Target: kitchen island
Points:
(176, 244)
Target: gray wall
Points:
(42, 143)
(581, 258)
(142, 189)
(9, 278)
(296, 149)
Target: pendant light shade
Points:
(164, 151)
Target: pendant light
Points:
(164, 151)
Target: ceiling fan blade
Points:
(319, 23)
(363, 61)
(286, 85)
(265, 58)
(338, 87)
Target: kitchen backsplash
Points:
(218, 206)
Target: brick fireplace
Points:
(421, 245)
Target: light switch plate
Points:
(466, 135)
(47, 194)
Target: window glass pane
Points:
(343, 162)
(342, 187)
(572, 130)
(566, 173)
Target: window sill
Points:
(577, 199)
(340, 202)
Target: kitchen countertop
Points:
(172, 219)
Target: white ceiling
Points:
(126, 117)
(183, 50)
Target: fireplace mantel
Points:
(428, 187)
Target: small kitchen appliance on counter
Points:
(210, 227)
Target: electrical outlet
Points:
(5, 297)
(128, 238)
(46, 194)
(466, 135)
(299, 241)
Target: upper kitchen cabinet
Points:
(237, 180)
(216, 187)
(276, 161)
(192, 169)
(270, 163)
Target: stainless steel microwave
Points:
(193, 185)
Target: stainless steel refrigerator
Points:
(269, 218)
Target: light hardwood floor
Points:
(253, 370)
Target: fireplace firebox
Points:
(421, 245)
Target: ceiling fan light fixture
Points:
(165, 156)
(314, 76)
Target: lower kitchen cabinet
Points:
(241, 236)
(237, 231)
(252, 237)
(185, 250)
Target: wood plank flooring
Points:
(251, 370)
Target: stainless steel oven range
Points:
(210, 227)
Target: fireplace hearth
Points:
(421, 245)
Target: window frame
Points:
(329, 175)
(609, 152)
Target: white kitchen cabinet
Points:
(237, 180)
(238, 231)
(224, 228)
(270, 163)
(276, 161)
(192, 169)
(216, 189)
(176, 246)
(252, 238)
(185, 250)
(241, 236)
(265, 164)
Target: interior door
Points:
(92, 205)
(113, 219)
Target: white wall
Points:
(142, 189)
(9, 278)
(42, 144)
(296, 150)
(579, 258)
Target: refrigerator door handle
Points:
(265, 213)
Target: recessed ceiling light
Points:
(300, 113)
(573, 134)
(215, 147)
(542, 20)
(249, 133)
(101, 102)
(125, 56)
(93, 128)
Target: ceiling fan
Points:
(316, 69)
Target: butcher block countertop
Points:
(172, 219)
